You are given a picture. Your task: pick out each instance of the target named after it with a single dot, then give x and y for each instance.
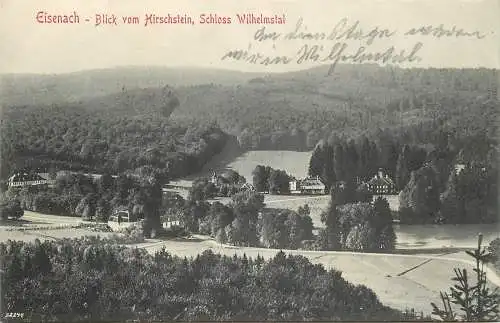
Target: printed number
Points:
(14, 315)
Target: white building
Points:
(308, 186)
(24, 179)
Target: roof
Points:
(381, 181)
(25, 177)
(311, 183)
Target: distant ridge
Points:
(36, 89)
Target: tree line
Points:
(90, 279)
(447, 179)
(66, 137)
(245, 221)
(352, 222)
(295, 111)
(74, 194)
(268, 179)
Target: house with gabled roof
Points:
(381, 184)
(23, 179)
(310, 185)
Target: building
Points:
(247, 187)
(381, 184)
(459, 168)
(308, 186)
(23, 179)
(221, 179)
(121, 219)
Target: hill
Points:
(284, 111)
(29, 89)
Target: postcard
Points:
(220, 160)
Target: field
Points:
(391, 277)
(35, 225)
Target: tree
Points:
(419, 200)
(103, 210)
(220, 216)
(307, 227)
(332, 231)
(344, 193)
(246, 206)
(87, 206)
(317, 161)
(366, 160)
(233, 177)
(339, 163)
(477, 302)
(360, 237)
(10, 208)
(327, 173)
(274, 232)
(105, 183)
(402, 169)
(151, 181)
(221, 237)
(304, 210)
(382, 224)
(279, 182)
(295, 229)
(260, 178)
(452, 207)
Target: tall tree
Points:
(328, 173)
(338, 163)
(382, 223)
(452, 207)
(317, 161)
(260, 178)
(402, 169)
(279, 181)
(332, 231)
(419, 200)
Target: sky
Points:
(32, 47)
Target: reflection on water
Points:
(445, 235)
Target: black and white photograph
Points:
(249, 161)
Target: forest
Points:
(422, 123)
(288, 111)
(93, 280)
(134, 130)
(444, 179)
(293, 111)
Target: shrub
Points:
(11, 209)
(477, 302)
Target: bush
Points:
(494, 249)
(172, 232)
(11, 209)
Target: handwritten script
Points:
(335, 45)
